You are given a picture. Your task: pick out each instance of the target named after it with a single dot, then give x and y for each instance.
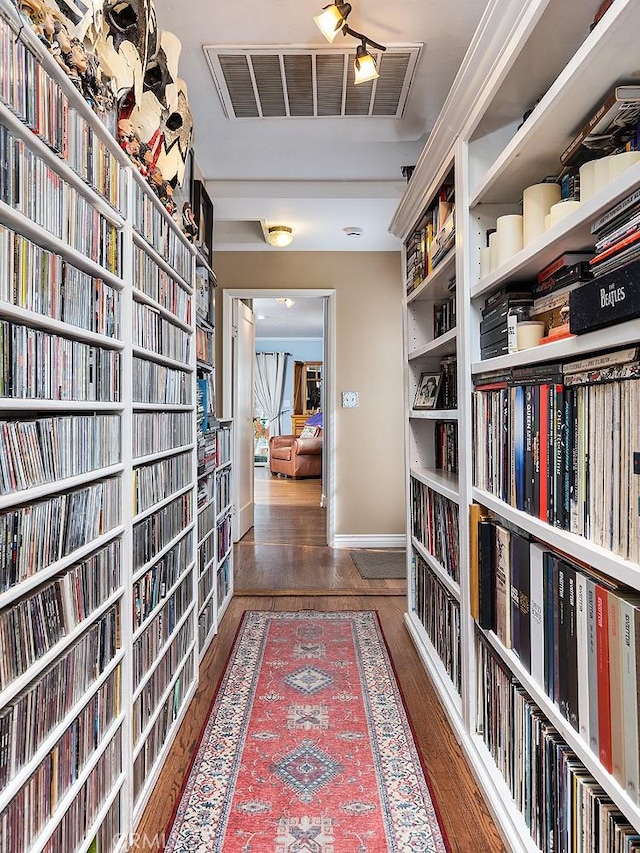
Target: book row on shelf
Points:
(523, 502)
(550, 441)
(574, 630)
(105, 606)
(563, 806)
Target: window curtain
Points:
(269, 387)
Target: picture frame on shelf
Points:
(427, 391)
(203, 212)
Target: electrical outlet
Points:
(349, 399)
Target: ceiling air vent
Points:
(286, 82)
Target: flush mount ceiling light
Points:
(279, 236)
(286, 301)
(334, 20)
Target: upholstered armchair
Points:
(295, 457)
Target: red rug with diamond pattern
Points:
(308, 748)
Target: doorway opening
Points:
(271, 505)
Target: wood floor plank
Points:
(304, 576)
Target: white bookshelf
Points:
(130, 661)
(522, 51)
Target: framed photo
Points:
(427, 391)
(203, 212)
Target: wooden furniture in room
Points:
(307, 387)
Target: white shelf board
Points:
(138, 573)
(162, 454)
(166, 500)
(452, 587)
(226, 601)
(24, 404)
(433, 414)
(153, 613)
(443, 345)
(34, 580)
(161, 407)
(605, 57)
(441, 481)
(57, 486)
(202, 650)
(188, 614)
(436, 285)
(158, 358)
(153, 772)
(622, 335)
(139, 296)
(569, 543)
(447, 693)
(14, 687)
(224, 556)
(142, 243)
(58, 327)
(102, 813)
(208, 598)
(27, 227)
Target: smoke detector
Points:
(352, 231)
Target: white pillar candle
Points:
(493, 250)
(601, 172)
(536, 204)
(587, 180)
(485, 261)
(619, 163)
(509, 230)
(562, 209)
(528, 333)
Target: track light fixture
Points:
(332, 21)
(364, 66)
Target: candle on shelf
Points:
(509, 230)
(536, 204)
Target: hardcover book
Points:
(503, 586)
(521, 586)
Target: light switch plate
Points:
(349, 399)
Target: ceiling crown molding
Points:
(502, 30)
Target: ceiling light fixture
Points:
(286, 301)
(279, 236)
(334, 20)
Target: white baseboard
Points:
(392, 540)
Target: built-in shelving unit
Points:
(546, 59)
(101, 510)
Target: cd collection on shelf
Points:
(101, 597)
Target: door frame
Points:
(328, 432)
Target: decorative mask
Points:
(127, 29)
(177, 136)
(160, 91)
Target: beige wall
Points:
(369, 496)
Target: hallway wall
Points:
(369, 494)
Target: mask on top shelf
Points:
(160, 91)
(127, 33)
(176, 139)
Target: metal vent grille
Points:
(286, 82)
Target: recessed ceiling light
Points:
(352, 231)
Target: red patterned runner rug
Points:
(308, 748)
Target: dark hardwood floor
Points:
(283, 563)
